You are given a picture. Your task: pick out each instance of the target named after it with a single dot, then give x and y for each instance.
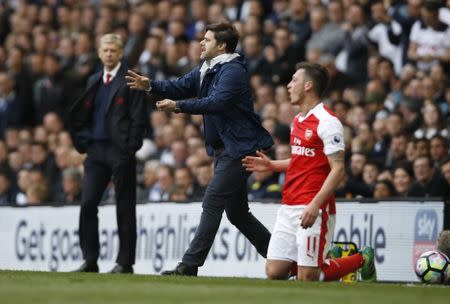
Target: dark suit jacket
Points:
(125, 117)
(224, 98)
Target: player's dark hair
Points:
(317, 73)
(225, 32)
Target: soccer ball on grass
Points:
(433, 267)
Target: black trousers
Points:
(103, 161)
(227, 191)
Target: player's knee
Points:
(274, 273)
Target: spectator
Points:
(204, 174)
(383, 189)
(381, 141)
(37, 194)
(338, 81)
(298, 24)
(370, 174)
(49, 90)
(411, 152)
(199, 13)
(406, 14)
(11, 106)
(429, 37)
(185, 185)
(429, 182)
(136, 38)
(15, 162)
(45, 161)
(397, 150)
(151, 59)
(432, 122)
(281, 57)
(403, 178)
(4, 166)
(357, 162)
(21, 77)
(379, 34)
(148, 180)
(161, 190)
(422, 146)
(355, 45)
(71, 185)
(7, 193)
(252, 48)
(439, 149)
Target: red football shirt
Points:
(314, 136)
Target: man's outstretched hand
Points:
(136, 81)
(258, 163)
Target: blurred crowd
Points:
(388, 63)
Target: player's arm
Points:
(337, 165)
(262, 163)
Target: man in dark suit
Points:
(108, 123)
(220, 86)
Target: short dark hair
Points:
(441, 138)
(432, 5)
(317, 73)
(225, 32)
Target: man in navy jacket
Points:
(108, 123)
(219, 89)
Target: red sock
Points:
(341, 266)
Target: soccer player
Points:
(305, 221)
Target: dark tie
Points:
(108, 79)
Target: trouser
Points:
(227, 191)
(103, 161)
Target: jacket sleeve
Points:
(181, 88)
(226, 92)
(138, 113)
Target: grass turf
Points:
(66, 288)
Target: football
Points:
(433, 267)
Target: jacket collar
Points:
(227, 57)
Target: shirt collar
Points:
(310, 112)
(113, 73)
(222, 58)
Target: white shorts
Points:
(290, 242)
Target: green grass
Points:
(67, 288)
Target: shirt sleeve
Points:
(331, 132)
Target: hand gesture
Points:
(167, 105)
(136, 81)
(309, 216)
(259, 163)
